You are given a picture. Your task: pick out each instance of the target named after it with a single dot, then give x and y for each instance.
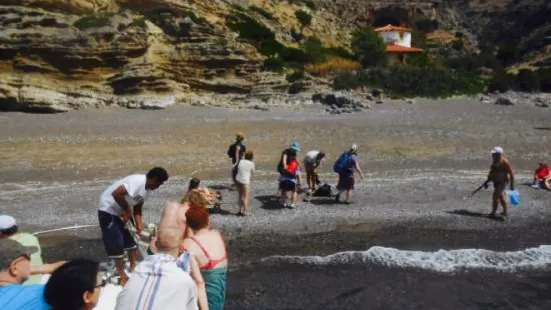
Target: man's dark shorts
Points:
(346, 182)
(288, 185)
(116, 238)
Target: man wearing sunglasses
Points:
(15, 268)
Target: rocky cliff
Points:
(58, 55)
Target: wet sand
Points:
(421, 161)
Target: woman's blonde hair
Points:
(196, 197)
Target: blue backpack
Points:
(341, 163)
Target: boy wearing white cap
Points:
(501, 174)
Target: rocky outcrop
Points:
(340, 102)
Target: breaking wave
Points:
(444, 261)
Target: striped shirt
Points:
(160, 281)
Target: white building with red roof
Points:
(398, 40)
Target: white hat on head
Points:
(6, 222)
(497, 150)
(354, 147)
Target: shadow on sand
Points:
(542, 128)
(465, 212)
(269, 202)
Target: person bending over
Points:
(118, 204)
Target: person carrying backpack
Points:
(345, 166)
(237, 149)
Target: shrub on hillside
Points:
(303, 18)
(426, 25)
(501, 81)
(315, 52)
(403, 81)
(508, 55)
(295, 76)
(544, 75)
(275, 64)
(527, 81)
(369, 48)
(255, 33)
(92, 21)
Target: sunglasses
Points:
(102, 284)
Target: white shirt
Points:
(135, 187)
(244, 169)
(158, 283)
(310, 157)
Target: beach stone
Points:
(541, 102)
(411, 101)
(379, 101)
(260, 108)
(504, 101)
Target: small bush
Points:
(544, 75)
(303, 18)
(275, 64)
(255, 33)
(427, 25)
(138, 22)
(458, 44)
(527, 81)
(315, 52)
(501, 81)
(295, 76)
(508, 55)
(92, 21)
(369, 48)
(262, 12)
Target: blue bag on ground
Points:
(514, 197)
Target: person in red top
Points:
(542, 176)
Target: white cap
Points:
(6, 222)
(497, 150)
(354, 147)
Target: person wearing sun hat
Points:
(501, 174)
(15, 268)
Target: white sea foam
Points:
(445, 261)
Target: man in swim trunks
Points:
(118, 204)
(501, 174)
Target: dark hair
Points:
(68, 283)
(158, 173)
(194, 184)
(249, 155)
(9, 231)
(320, 155)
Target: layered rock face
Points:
(59, 55)
(53, 60)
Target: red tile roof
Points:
(393, 48)
(389, 27)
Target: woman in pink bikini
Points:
(209, 249)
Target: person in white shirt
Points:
(117, 205)
(245, 167)
(312, 161)
(161, 281)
